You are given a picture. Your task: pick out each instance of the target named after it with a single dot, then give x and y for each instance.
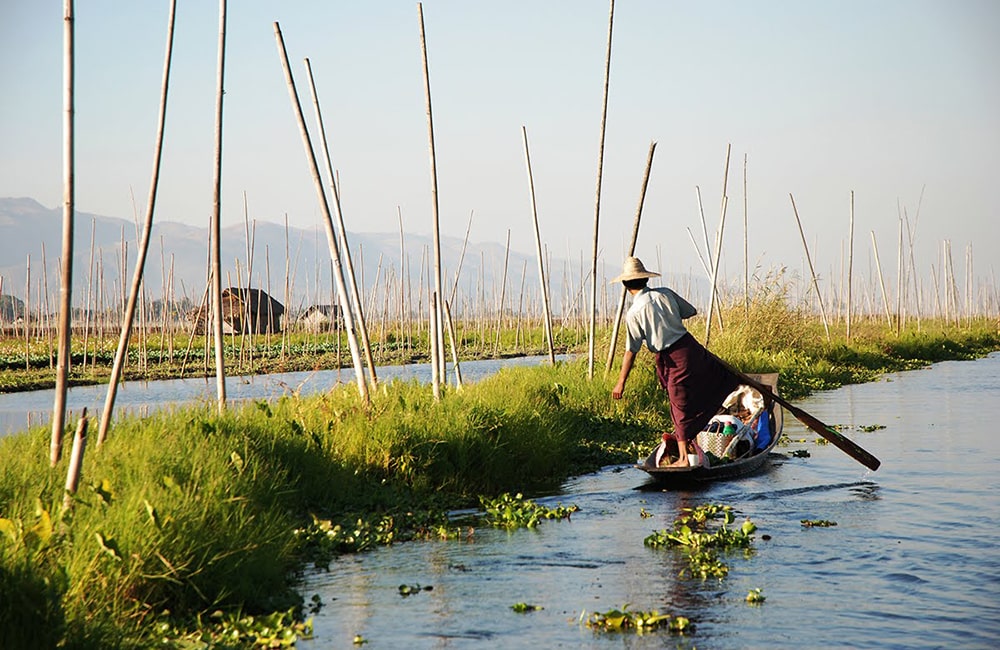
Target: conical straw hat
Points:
(632, 269)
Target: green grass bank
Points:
(186, 512)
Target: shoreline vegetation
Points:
(190, 528)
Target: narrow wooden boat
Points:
(744, 466)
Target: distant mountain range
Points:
(28, 228)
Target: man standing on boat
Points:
(696, 383)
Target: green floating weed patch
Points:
(623, 620)
(702, 544)
(511, 512)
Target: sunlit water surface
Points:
(913, 561)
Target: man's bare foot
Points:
(682, 462)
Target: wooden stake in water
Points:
(66, 286)
(140, 263)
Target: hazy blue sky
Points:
(884, 98)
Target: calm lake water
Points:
(912, 563)
(19, 411)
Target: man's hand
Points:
(627, 362)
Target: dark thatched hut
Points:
(245, 311)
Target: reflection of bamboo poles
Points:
(631, 252)
(66, 286)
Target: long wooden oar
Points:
(839, 440)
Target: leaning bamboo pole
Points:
(713, 290)
(75, 462)
(331, 237)
(812, 272)
(438, 332)
(66, 286)
(592, 317)
(631, 251)
(342, 232)
(503, 289)
(216, 230)
(881, 281)
(140, 263)
(547, 312)
(707, 261)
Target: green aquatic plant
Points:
(522, 608)
(639, 622)
(237, 630)
(506, 511)
(703, 543)
(409, 590)
(817, 523)
(756, 596)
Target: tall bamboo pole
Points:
(216, 230)
(461, 258)
(715, 272)
(631, 251)
(592, 319)
(547, 312)
(746, 248)
(503, 290)
(331, 238)
(812, 272)
(900, 284)
(342, 232)
(438, 332)
(850, 268)
(707, 261)
(69, 196)
(881, 281)
(140, 263)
